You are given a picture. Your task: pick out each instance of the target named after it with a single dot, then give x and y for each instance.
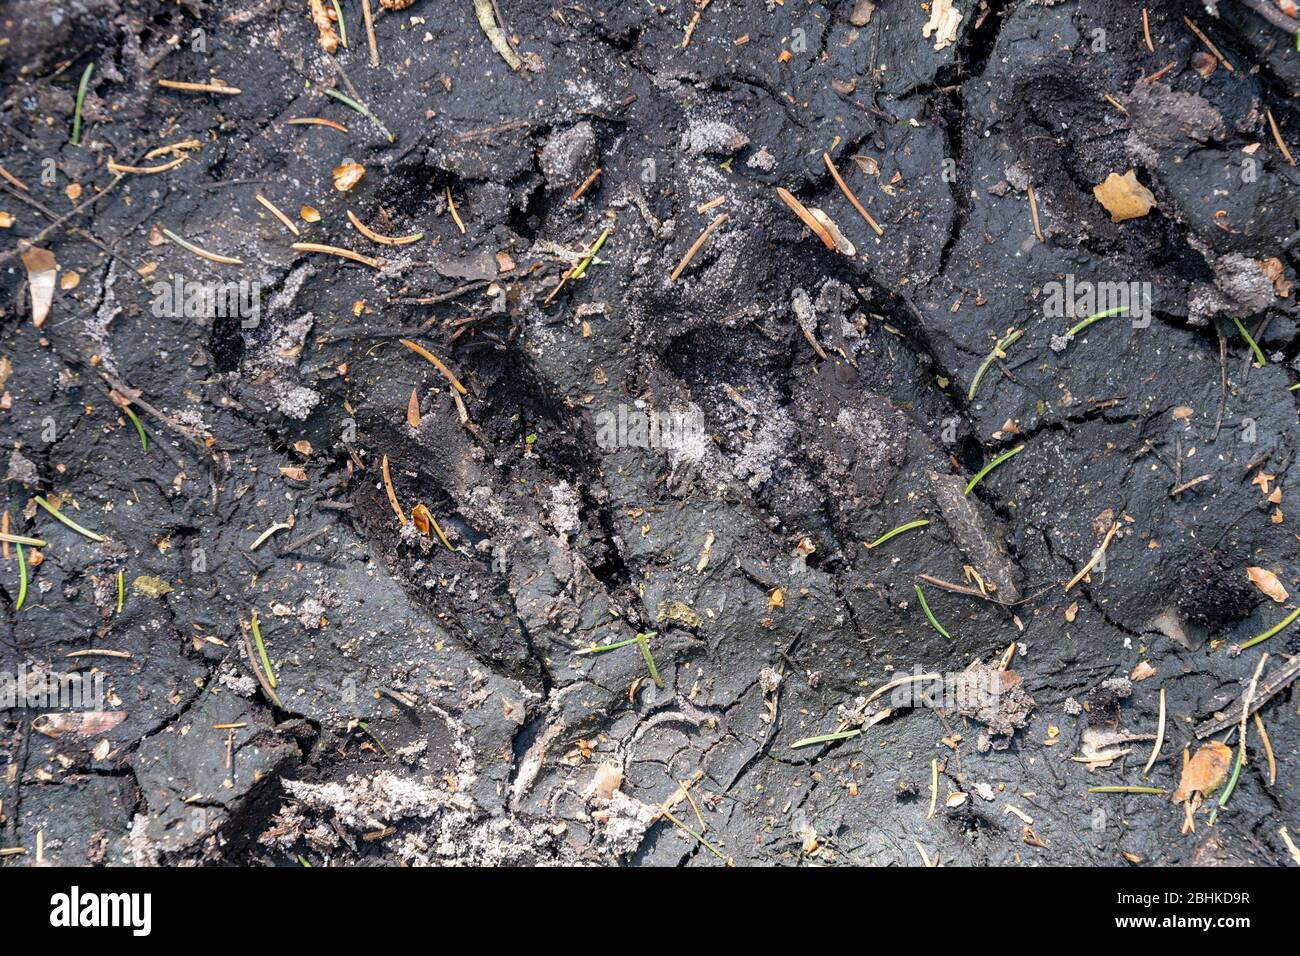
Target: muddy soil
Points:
(436, 699)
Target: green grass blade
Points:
(1094, 318)
(68, 521)
(929, 615)
(1280, 626)
(261, 652)
(81, 102)
(22, 580)
(1259, 355)
(920, 523)
(979, 475)
(826, 738)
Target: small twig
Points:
(844, 188)
(1277, 136)
(1096, 557)
(370, 32)
(199, 87)
(697, 245)
(1191, 25)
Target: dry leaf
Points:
(302, 447)
(1205, 771)
(83, 723)
(1141, 671)
(1124, 197)
(293, 472)
(421, 518)
(1267, 582)
(347, 176)
(608, 778)
(41, 271)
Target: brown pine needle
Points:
(695, 22)
(317, 121)
(451, 207)
(800, 210)
(1096, 556)
(145, 170)
(1209, 45)
(202, 253)
(370, 32)
(271, 208)
(1268, 750)
(1159, 73)
(421, 351)
(697, 245)
(1146, 30)
(586, 184)
(4, 535)
(199, 87)
(1115, 103)
(844, 188)
(1277, 135)
(1160, 736)
(1033, 213)
(336, 251)
(382, 240)
(392, 494)
(13, 180)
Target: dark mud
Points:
(430, 705)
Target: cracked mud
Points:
(449, 701)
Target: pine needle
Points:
(22, 580)
(59, 515)
(921, 523)
(929, 615)
(980, 475)
(81, 102)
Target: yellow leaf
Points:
(1124, 197)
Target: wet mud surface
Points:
(432, 704)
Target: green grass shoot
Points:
(582, 266)
(1227, 791)
(81, 102)
(1094, 318)
(643, 641)
(929, 615)
(1259, 355)
(1280, 626)
(999, 351)
(22, 579)
(261, 652)
(68, 521)
(121, 591)
(363, 110)
(139, 426)
(343, 29)
(920, 523)
(980, 475)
